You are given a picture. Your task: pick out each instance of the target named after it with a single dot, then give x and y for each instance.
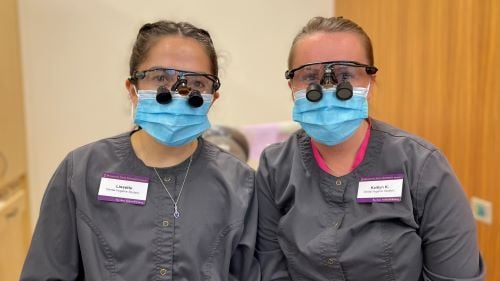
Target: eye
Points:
(343, 73)
(198, 84)
(159, 78)
(346, 75)
(309, 75)
(162, 75)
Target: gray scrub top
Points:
(312, 228)
(79, 237)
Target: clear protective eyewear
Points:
(177, 80)
(345, 75)
(168, 81)
(330, 73)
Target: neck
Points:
(340, 157)
(155, 154)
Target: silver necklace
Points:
(176, 211)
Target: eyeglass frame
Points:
(139, 75)
(370, 69)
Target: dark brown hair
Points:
(150, 33)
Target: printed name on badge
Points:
(386, 188)
(115, 187)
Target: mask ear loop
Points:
(132, 107)
(367, 89)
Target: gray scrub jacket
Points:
(312, 228)
(79, 237)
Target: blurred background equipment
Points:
(230, 140)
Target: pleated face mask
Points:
(331, 121)
(173, 124)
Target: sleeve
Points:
(447, 227)
(54, 252)
(271, 258)
(244, 265)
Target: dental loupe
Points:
(180, 86)
(314, 91)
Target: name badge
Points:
(123, 188)
(386, 188)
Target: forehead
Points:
(179, 52)
(329, 46)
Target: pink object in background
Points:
(259, 136)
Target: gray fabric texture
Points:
(312, 228)
(78, 237)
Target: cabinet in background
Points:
(14, 228)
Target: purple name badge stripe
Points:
(384, 177)
(125, 177)
(120, 200)
(376, 200)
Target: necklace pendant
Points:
(176, 213)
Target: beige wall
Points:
(75, 56)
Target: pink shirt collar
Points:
(357, 160)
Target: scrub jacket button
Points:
(167, 178)
(330, 261)
(163, 271)
(166, 223)
(338, 182)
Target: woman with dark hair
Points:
(159, 202)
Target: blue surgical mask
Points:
(331, 121)
(173, 124)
